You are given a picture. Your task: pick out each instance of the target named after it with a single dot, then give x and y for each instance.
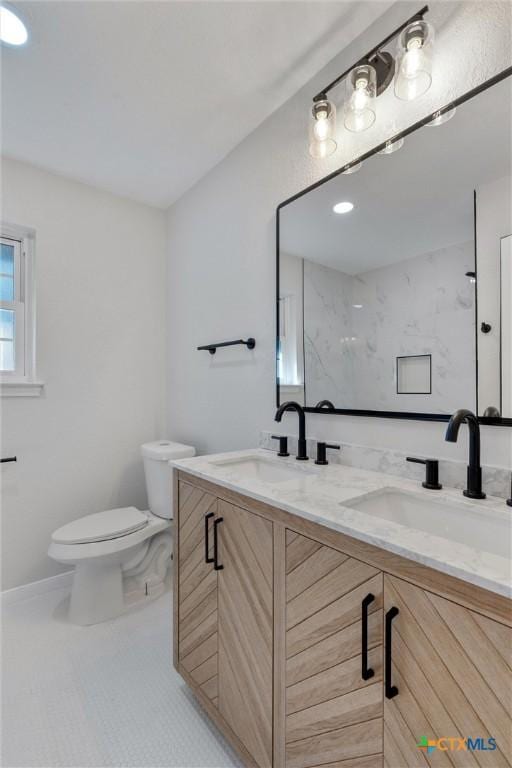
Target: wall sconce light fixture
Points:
(322, 128)
(368, 78)
(414, 60)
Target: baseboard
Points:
(34, 588)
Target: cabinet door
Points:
(453, 671)
(198, 638)
(333, 715)
(246, 628)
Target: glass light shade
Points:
(441, 116)
(322, 129)
(391, 146)
(361, 95)
(352, 169)
(414, 61)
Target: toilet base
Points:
(105, 587)
(97, 593)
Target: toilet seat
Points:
(101, 526)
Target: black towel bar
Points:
(212, 348)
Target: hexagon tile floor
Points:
(104, 695)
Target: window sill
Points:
(21, 388)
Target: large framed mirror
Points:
(394, 274)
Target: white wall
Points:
(100, 276)
(221, 249)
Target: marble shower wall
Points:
(355, 326)
(328, 349)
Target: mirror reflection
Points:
(395, 282)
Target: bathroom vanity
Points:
(320, 621)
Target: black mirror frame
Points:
(499, 422)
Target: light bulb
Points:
(322, 129)
(12, 29)
(414, 61)
(361, 93)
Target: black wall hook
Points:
(250, 343)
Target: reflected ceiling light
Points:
(357, 306)
(361, 96)
(12, 29)
(414, 60)
(343, 207)
(352, 169)
(442, 116)
(322, 128)
(391, 146)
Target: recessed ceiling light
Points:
(12, 29)
(343, 207)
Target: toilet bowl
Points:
(121, 555)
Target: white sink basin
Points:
(265, 470)
(477, 527)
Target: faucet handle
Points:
(283, 444)
(432, 472)
(321, 452)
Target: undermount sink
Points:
(477, 527)
(266, 470)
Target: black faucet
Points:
(291, 405)
(474, 481)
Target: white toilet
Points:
(122, 555)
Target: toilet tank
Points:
(158, 473)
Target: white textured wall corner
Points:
(221, 249)
(100, 275)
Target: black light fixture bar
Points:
(366, 59)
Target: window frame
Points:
(22, 381)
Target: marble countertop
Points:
(318, 493)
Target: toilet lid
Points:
(101, 526)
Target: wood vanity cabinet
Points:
(452, 669)
(332, 713)
(198, 590)
(225, 614)
(309, 648)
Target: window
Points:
(12, 314)
(17, 370)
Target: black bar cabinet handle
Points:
(207, 557)
(391, 690)
(217, 566)
(366, 671)
(8, 459)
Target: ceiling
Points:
(414, 201)
(143, 98)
